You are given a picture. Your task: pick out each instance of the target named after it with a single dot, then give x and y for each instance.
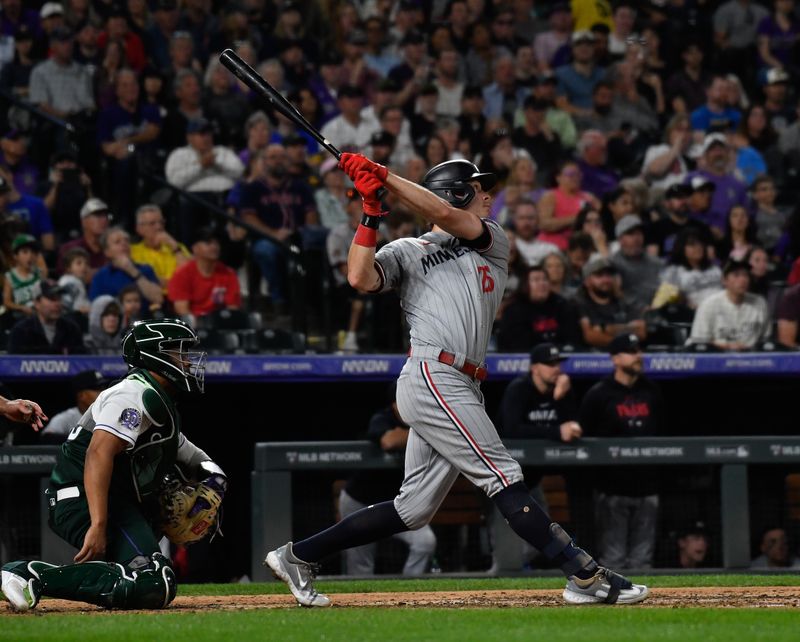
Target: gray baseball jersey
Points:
(449, 293)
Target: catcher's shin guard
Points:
(145, 583)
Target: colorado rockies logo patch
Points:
(130, 418)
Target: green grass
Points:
(543, 624)
(480, 584)
(357, 625)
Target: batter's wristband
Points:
(366, 236)
(371, 221)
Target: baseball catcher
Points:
(125, 476)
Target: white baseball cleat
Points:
(297, 574)
(604, 587)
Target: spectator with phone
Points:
(68, 188)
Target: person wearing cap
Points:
(94, 222)
(51, 17)
(157, 247)
(577, 79)
(538, 405)
(471, 121)
(560, 121)
(16, 15)
(68, 187)
(297, 165)
(60, 86)
(685, 89)
(381, 146)
(120, 270)
(117, 29)
(14, 159)
(348, 130)
(716, 114)
(46, 331)
(185, 93)
(86, 386)
(625, 404)
(692, 544)
(602, 313)
(700, 197)
(536, 137)
(22, 282)
(31, 211)
(354, 67)
(536, 314)
(674, 218)
(732, 319)
(414, 71)
(776, 93)
(204, 284)
(640, 271)
(714, 165)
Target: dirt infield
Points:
(737, 597)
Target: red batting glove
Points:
(368, 185)
(351, 164)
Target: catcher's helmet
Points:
(450, 180)
(161, 345)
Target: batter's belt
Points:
(470, 368)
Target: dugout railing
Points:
(275, 464)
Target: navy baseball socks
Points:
(588, 582)
(532, 524)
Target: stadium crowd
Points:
(647, 155)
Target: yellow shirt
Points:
(162, 260)
(585, 13)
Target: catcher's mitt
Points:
(190, 512)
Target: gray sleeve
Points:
(190, 455)
(389, 263)
(61, 424)
(37, 93)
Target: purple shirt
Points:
(28, 17)
(781, 43)
(25, 173)
(729, 191)
(597, 180)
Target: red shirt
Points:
(134, 49)
(205, 294)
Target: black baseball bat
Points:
(250, 77)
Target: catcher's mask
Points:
(451, 181)
(162, 345)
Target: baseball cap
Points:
(331, 58)
(389, 85)
(49, 289)
(93, 206)
(61, 34)
(546, 353)
(23, 32)
(350, 91)
(472, 91)
(582, 35)
(626, 342)
(713, 139)
(199, 126)
(597, 264)
(24, 240)
(5, 188)
(775, 76)
(694, 527)
(627, 224)
(382, 139)
(166, 5)
(536, 104)
(51, 9)
(700, 183)
(204, 235)
(88, 380)
(678, 190)
(734, 265)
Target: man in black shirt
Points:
(536, 137)
(538, 405)
(625, 404)
(535, 315)
(602, 311)
(674, 218)
(367, 487)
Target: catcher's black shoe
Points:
(604, 587)
(297, 574)
(20, 584)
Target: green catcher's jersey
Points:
(138, 411)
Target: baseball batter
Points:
(450, 282)
(104, 488)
